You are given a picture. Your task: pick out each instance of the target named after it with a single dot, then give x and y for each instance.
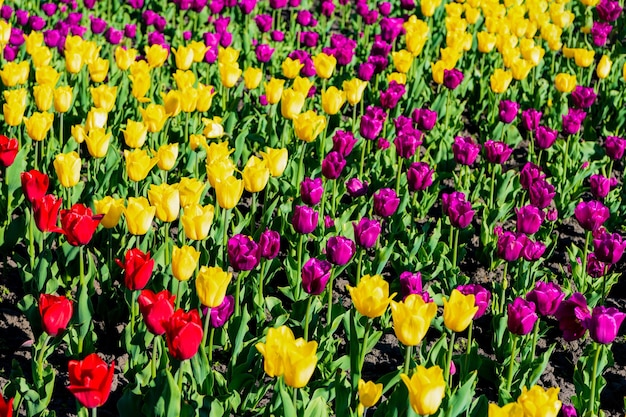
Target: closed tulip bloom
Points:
(311, 191)
(500, 80)
(531, 119)
(79, 224)
(572, 121)
(291, 103)
(291, 68)
(104, 97)
(166, 199)
(315, 275)
(111, 208)
(139, 215)
(343, 142)
(98, 142)
(339, 250)
(255, 175)
(62, 99)
(497, 152)
(220, 170)
(67, 167)
(124, 57)
(15, 73)
(8, 150)
(274, 90)
(308, 125)
(529, 219)
(138, 267)
(333, 165)
(228, 191)
(211, 285)
(521, 316)
(219, 315)
(508, 410)
(565, 83)
(533, 251)
(190, 191)
(452, 78)
(46, 213)
(510, 246)
(591, 215)
(354, 90)
(507, 111)
(243, 253)
(545, 137)
(98, 70)
(547, 297)
(412, 318)
(135, 134)
(372, 122)
(419, 176)
(269, 244)
(43, 96)
(156, 309)
(90, 380)
(197, 221)
(184, 262)
(34, 184)
(572, 314)
(138, 164)
(56, 312)
(459, 310)
(460, 213)
(583, 57)
(366, 232)
(153, 117)
(604, 324)
(583, 97)
(482, 297)
(14, 106)
(529, 174)
(609, 248)
(229, 74)
(369, 393)
(371, 296)
(539, 402)
(465, 150)
(252, 77)
(183, 57)
(604, 67)
(275, 349)
(156, 55)
(614, 147)
(166, 155)
(304, 219)
(96, 119)
(324, 65)
(276, 160)
(332, 100)
(386, 202)
(300, 362)
(601, 186)
(426, 388)
(205, 97)
(183, 333)
(172, 101)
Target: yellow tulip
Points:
(42, 56)
(274, 90)
(369, 393)
(565, 83)
(89, 50)
(428, 7)
(156, 55)
(140, 86)
(47, 75)
(255, 175)
(184, 261)
(96, 118)
(190, 99)
(402, 60)
(104, 97)
(63, 99)
(228, 191)
(67, 167)
(79, 133)
(213, 128)
(205, 97)
(5, 32)
(166, 199)
(98, 70)
(302, 85)
(624, 72)
(219, 170)
(15, 73)
(486, 42)
(211, 285)
(73, 61)
(426, 389)
(135, 134)
(154, 117)
(450, 57)
(300, 362)
(520, 68)
(139, 215)
(229, 74)
(167, 155)
(509, 410)
(354, 90)
(590, 3)
(371, 296)
(252, 77)
(183, 57)
(227, 55)
(14, 106)
(111, 208)
(138, 164)
(197, 221)
(459, 310)
(276, 160)
(539, 402)
(411, 319)
(139, 67)
(195, 141)
(584, 58)
(472, 14)
(190, 191)
(291, 103)
(397, 77)
(32, 41)
(415, 42)
(199, 50)
(274, 350)
(500, 80)
(172, 103)
(124, 57)
(437, 71)
(43, 96)
(38, 125)
(98, 142)
(332, 100)
(184, 79)
(291, 67)
(308, 125)
(604, 67)
(324, 65)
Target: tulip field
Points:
(310, 208)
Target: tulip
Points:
(465, 150)
(197, 220)
(213, 128)
(426, 388)
(459, 310)
(541, 193)
(315, 275)
(572, 121)
(371, 296)
(510, 246)
(369, 393)
(531, 119)
(609, 11)
(138, 267)
(539, 402)
(6, 406)
(500, 80)
(332, 100)
(571, 315)
(452, 78)
(583, 97)
(14, 106)
(604, 324)
(205, 97)
(604, 67)
(104, 97)
(46, 213)
(533, 251)
(482, 297)
(219, 315)
(211, 285)
(8, 150)
(124, 57)
(510, 409)
(166, 156)
(56, 312)
(156, 55)
(507, 111)
(98, 70)
(243, 253)
(98, 142)
(229, 74)
(308, 125)
(34, 184)
(274, 351)
(601, 185)
(497, 152)
(356, 188)
(547, 297)
(190, 191)
(291, 103)
(565, 83)
(291, 67)
(332, 165)
(166, 199)
(366, 232)
(153, 117)
(324, 65)
(412, 318)
(354, 90)
(460, 213)
(609, 248)
(139, 215)
(252, 77)
(386, 202)
(156, 309)
(62, 99)
(545, 137)
(138, 164)
(614, 146)
(372, 122)
(96, 118)
(339, 250)
(591, 215)
(228, 192)
(255, 175)
(521, 316)
(79, 224)
(274, 90)
(90, 380)
(389, 99)
(184, 262)
(584, 58)
(529, 219)
(43, 96)
(183, 332)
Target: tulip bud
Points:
(56, 313)
(366, 232)
(315, 275)
(339, 250)
(304, 219)
(521, 316)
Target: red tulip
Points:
(137, 268)
(156, 309)
(8, 150)
(56, 312)
(46, 213)
(6, 407)
(183, 332)
(79, 224)
(90, 380)
(34, 184)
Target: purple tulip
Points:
(130, 31)
(591, 215)
(384, 8)
(21, 17)
(533, 251)
(17, 37)
(10, 53)
(327, 8)
(595, 268)
(608, 10)
(403, 123)
(609, 247)
(332, 165)
(391, 28)
(74, 18)
(571, 314)
(448, 198)
(366, 71)
(424, 119)
(507, 111)
(356, 188)
(247, 6)
(382, 144)
(263, 22)
(315, 276)
(407, 142)
(51, 38)
(529, 219)
(329, 222)
(6, 12)
(482, 297)
(309, 39)
(343, 142)
(452, 78)
(135, 4)
(604, 324)
(386, 202)
(497, 152)
(419, 176)
(389, 98)
(223, 312)
(583, 97)
(601, 185)
(547, 296)
(545, 137)
(521, 316)
(243, 253)
(529, 174)
(568, 410)
(411, 283)
(614, 147)
(36, 23)
(311, 191)
(541, 193)
(49, 8)
(372, 122)
(114, 36)
(278, 4)
(510, 246)
(465, 150)
(572, 121)
(460, 213)
(304, 219)
(269, 244)
(531, 119)
(600, 32)
(339, 250)
(366, 232)
(97, 25)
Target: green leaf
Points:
(462, 397)
(317, 407)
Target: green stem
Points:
(334, 199)
(592, 400)
(31, 243)
(470, 340)
(358, 267)
(455, 247)
(585, 255)
(399, 175)
(41, 354)
(447, 375)
(261, 279)
(177, 290)
(225, 236)
(94, 412)
(363, 148)
(307, 318)
(366, 336)
(299, 270)
(407, 360)
(154, 357)
(493, 183)
(504, 287)
(205, 330)
(180, 377)
(211, 338)
(237, 292)
(534, 343)
(329, 312)
(300, 164)
(509, 378)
